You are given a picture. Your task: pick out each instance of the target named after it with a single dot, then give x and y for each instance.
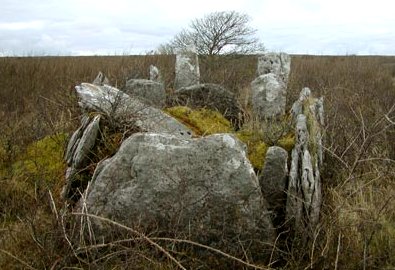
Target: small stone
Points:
(101, 79)
(154, 74)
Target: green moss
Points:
(205, 122)
(312, 126)
(287, 142)
(202, 121)
(257, 148)
(44, 159)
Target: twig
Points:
(338, 250)
(135, 232)
(211, 249)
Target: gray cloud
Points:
(77, 27)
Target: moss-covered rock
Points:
(287, 142)
(202, 121)
(257, 148)
(257, 144)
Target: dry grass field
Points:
(38, 111)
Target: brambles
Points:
(357, 222)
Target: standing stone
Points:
(268, 96)
(101, 79)
(148, 91)
(154, 74)
(187, 68)
(269, 89)
(273, 182)
(277, 63)
(304, 188)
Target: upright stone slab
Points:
(187, 68)
(273, 182)
(304, 188)
(277, 63)
(154, 74)
(268, 96)
(269, 89)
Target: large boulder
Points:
(204, 189)
(187, 68)
(150, 92)
(210, 96)
(121, 109)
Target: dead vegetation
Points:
(357, 227)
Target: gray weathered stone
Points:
(79, 149)
(208, 95)
(276, 63)
(197, 186)
(154, 74)
(304, 189)
(268, 96)
(86, 142)
(150, 92)
(125, 110)
(273, 181)
(74, 140)
(297, 107)
(101, 79)
(187, 68)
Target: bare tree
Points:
(225, 32)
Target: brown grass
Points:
(357, 229)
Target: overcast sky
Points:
(87, 27)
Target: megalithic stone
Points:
(187, 68)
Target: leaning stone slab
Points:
(125, 110)
(150, 92)
(187, 68)
(79, 149)
(75, 139)
(86, 142)
(195, 187)
(268, 96)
